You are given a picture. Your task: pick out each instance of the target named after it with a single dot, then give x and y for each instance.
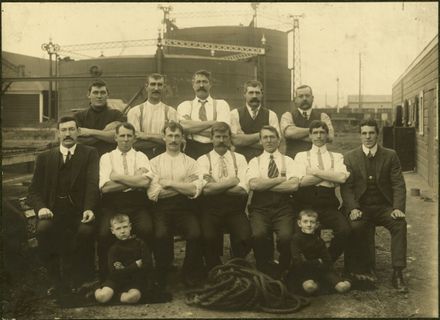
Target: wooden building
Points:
(415, 95)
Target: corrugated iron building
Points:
(415, 92)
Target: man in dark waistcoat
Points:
(247, 121)
(64, 194)
(375, 194)
(295, 124)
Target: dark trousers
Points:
(66, 244)
(142, 225)
(224, 213)
(195, 149)
(170, 216)
(358, 248)
(264, 221)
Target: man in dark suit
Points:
(375, 194)
(64, 194)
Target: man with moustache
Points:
(124, 176)
(224, 198)
(295, 125)
(176, 182)
(247, 121)
(198, 115)
(325, 170)
(273, 177)
(98, 122)
(149, 118)
(375, 194)
(64, 194)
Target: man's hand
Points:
(311, 171)
(118, 265)
(84, 132)
(113, 176)
(208, 178)
(88, 216)
(45, 213)
(355, 214)
(192, 178)
(397, 214)
(165, 183)
(141, 171)
(139, 263)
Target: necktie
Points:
(124, 163)
(222, 168)
(305, 115)
(254, 113)
(202, 111)
(272, 169)
(320, 162)
(370, 155)
(68, 157)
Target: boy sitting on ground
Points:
(311, 261)
(130, 264)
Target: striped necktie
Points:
(202, 111)
(222, 168)
(124, 163)
(68, 157)
(272, 171)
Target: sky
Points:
(389, 36)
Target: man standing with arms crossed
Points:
(198, 115)
(273, 177)
(98, 122)
(247, 121)
(149, 118)
(295, 125)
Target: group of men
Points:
(201, 170)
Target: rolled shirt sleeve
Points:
(105, 169)
(286, 121)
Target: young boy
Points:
(311, 261)
(130, 264)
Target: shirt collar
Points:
(250, 109)
(217, 155)
(309, 111)
(65, 150)
(315, 149)
(120, 152)
(153, 105)
(372, 150)
(208, 99)
(276, 154)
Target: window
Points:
(420, 114)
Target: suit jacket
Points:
(83, 189)
(389, 178)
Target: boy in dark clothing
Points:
(311, 261)
(130, 264)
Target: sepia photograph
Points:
(196, 160)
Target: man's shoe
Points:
(398, 282)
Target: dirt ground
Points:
(23, 297)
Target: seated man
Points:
(325, 170)
(375, 194)
(130, 264)
(224, 197)
(64, 194)
(176, 181)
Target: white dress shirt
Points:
(372, 150)
(287, 121)
(338, 162)
(177, 168)
(153, 116)
(203, 163)
(65, 150)
(186, 112)
(113, 161)
(235, 120)
(258, 166)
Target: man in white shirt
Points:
(224, 197)
(149, 118)
(176, 181)
(295, 124)
(247, 121)
(325, 170)
(198, 115)
(124, 176)
(273, 177)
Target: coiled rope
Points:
(237, 285)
